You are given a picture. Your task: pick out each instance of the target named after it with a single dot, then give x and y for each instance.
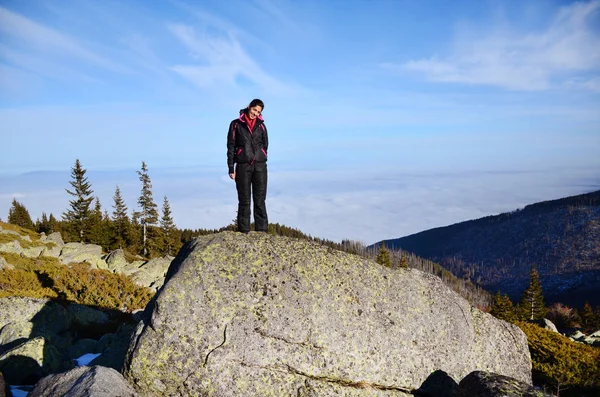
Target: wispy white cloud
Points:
(222, 62)
(507, 58)
(48, 40)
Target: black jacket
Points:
(245, 146)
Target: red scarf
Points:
(250, 122)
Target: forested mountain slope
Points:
(562, 237)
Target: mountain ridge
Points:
(562, 237)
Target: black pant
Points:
(253, 176)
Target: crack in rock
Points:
(215, 348)
(306, 342)
(362, 384)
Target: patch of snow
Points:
(85, 359)
(20, 391)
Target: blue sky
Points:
(385, 117)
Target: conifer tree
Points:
(168, 228)
(383, 257)
(78, 215)
(41, 226)
(120, 219)
(403, 261)
(52, 224)
(588, 318)
(502, 308)
(99, 226)
(18, 215)
(149, 214)
(531, 306)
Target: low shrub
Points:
(561, 364)
(78, 283)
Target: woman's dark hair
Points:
(257, 102)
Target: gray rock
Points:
(43, 236)
(152, 273)
(15, 331)
(43, 313)
(105, 342)
(577, 335)
(26, 238)
(486, 384)
(33, 252)
(549, 325)
(595, 334)
(52, 251)
(116, 261)
(3, 387)
(13, 247)
(27, 362)
(78, 252)
(11, 232)
(84, 316)
(261, 315)
(56, 238)
(83, 346)
(132, 267)
(4, 264)
(114, 356)
(93, 381)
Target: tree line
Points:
(532, 307)
(143, 231)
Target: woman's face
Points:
(254, 112)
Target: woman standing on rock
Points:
(247, 144)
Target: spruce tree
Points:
(120, 220)
(531, 306)
(42, 225)
(403, 261)
(149, 214)
(18, 215)
(383, 257)
(588, 318)
(78, 216)
(502, 308)
(52, 224)
(168, 228)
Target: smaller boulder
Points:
(93, 381)
(549, 325)
(11, 332)
(116, 261)
(487, 384)
(4, 390)
(12, 247)
(29, 361)
(152, 273)
(33, 252)
(84, 316)
(78, 252)
(4, 264)
(56, 238)
(83, 346)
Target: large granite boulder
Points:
(486, 384)
(84, 382)
(259, 315)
